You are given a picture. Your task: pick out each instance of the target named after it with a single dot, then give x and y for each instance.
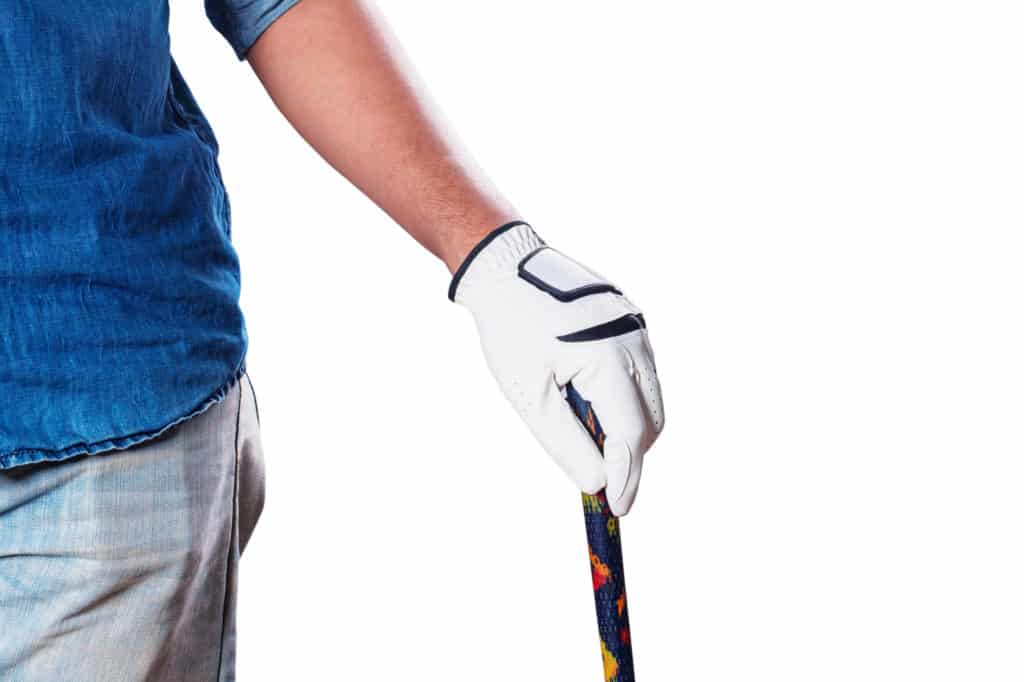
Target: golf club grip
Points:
(605, 544)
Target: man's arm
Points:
(341, 78)
(545, 321)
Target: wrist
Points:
(464, 236)
(495, 255)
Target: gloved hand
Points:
(544, 321)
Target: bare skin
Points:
(340, 77)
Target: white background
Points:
(818, 206)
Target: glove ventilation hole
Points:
(652, 384)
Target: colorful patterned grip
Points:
(605, 545)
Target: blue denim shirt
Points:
(119, 286)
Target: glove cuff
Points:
(498, 254)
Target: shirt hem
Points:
(24, 456)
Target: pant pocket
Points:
(251, 491)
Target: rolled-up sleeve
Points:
(243, 21)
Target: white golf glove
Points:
(544, 321)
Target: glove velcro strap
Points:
(555, 273)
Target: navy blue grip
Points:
(605, 544)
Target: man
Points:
(130, 466)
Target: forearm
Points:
(340, 77)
